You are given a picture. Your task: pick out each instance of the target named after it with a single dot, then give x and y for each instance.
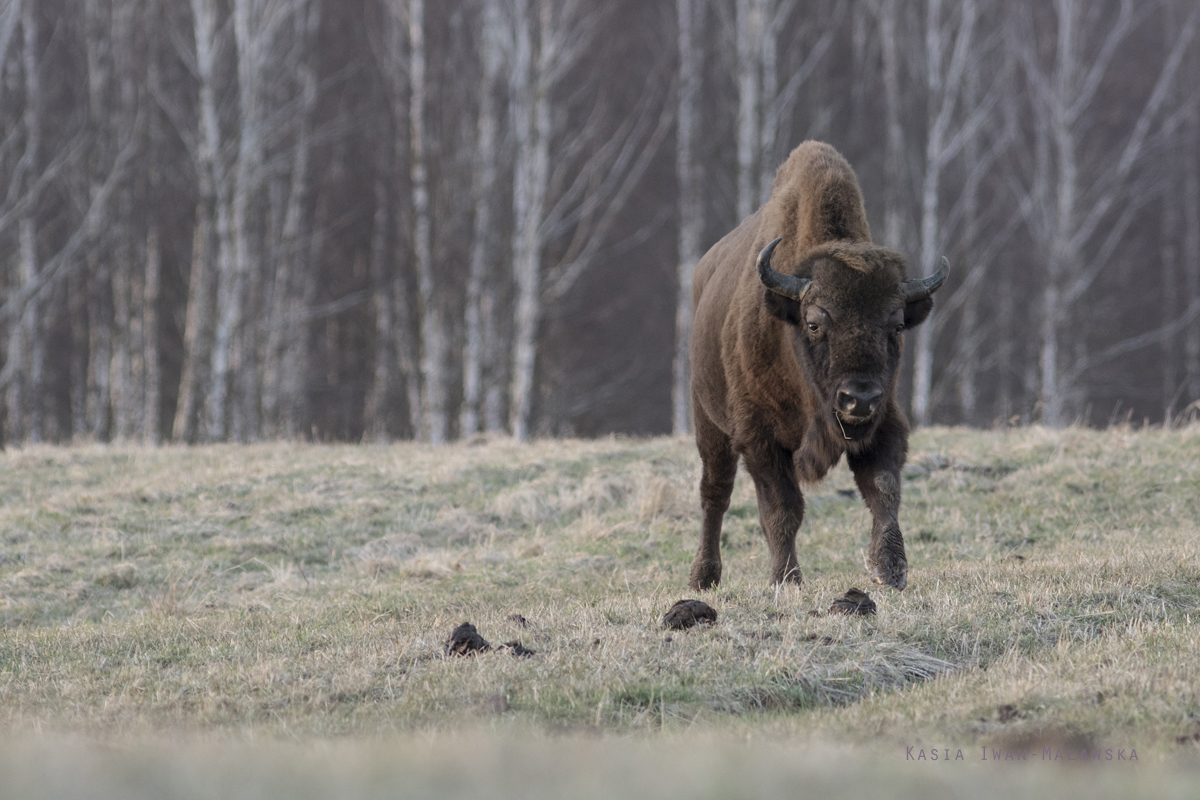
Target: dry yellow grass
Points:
(304, 593)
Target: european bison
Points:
(793, 368)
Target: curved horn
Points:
(790, 286)
(920, 288)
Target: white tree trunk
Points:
(497, 358)
(402, 337)
(254, 46)
(198, 322)
(26, 350)
(1062, 254)
(151, 342)
(228, 318)
(750, 35)
(691, 203)
(379, 411)
(531, 121)
(201, 304)
(893, 216)
(232, 206)
(770, 107)
(969, 336)
(284, 402)
(123, 394)
(434, 336)
(1169, 255)
(19, 337)
(942, 84)
(936, 103)
(127, 403)
(486, 154)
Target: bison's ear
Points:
(782, 308)
(916, 311)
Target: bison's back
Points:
(714, 289)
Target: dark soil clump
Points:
(1008, 712)
(853, 601)
(517, 649)
(687, 613)
(465, 641)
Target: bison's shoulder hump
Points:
(816, 198)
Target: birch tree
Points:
(210, 176)
(434, 339)
(950, 49)
(231, 403)
(1076, 216)
(127, 381)
(531, 128)
(397, 336)
(25, 336)
(598, 168)
(494, 186)
(285, 358)
(750, 32)
(480, 310)
(768, 89)
(895, 224)
(382, 399)
(690, 14)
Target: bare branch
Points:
(1138, 342)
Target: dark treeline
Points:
(374, 219)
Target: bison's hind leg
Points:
(716, 486)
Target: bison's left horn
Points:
(787, 285)
(920, 288)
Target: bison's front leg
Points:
(780, 506)
(877, 473)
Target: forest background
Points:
(233, 220)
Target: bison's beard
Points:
(855, 430)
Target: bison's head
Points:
(849, 305)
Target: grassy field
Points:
(174, 622)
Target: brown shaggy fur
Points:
(764, 383)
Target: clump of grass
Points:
(120, 576)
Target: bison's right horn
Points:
(920, 288)
(787, 285)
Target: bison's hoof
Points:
(790, 575)
(895, 576)
(705, 575)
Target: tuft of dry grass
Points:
(305, 592)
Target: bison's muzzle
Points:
(858, 400)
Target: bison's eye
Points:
(816, 319)
(900, 327)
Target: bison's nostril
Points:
(858, 403)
